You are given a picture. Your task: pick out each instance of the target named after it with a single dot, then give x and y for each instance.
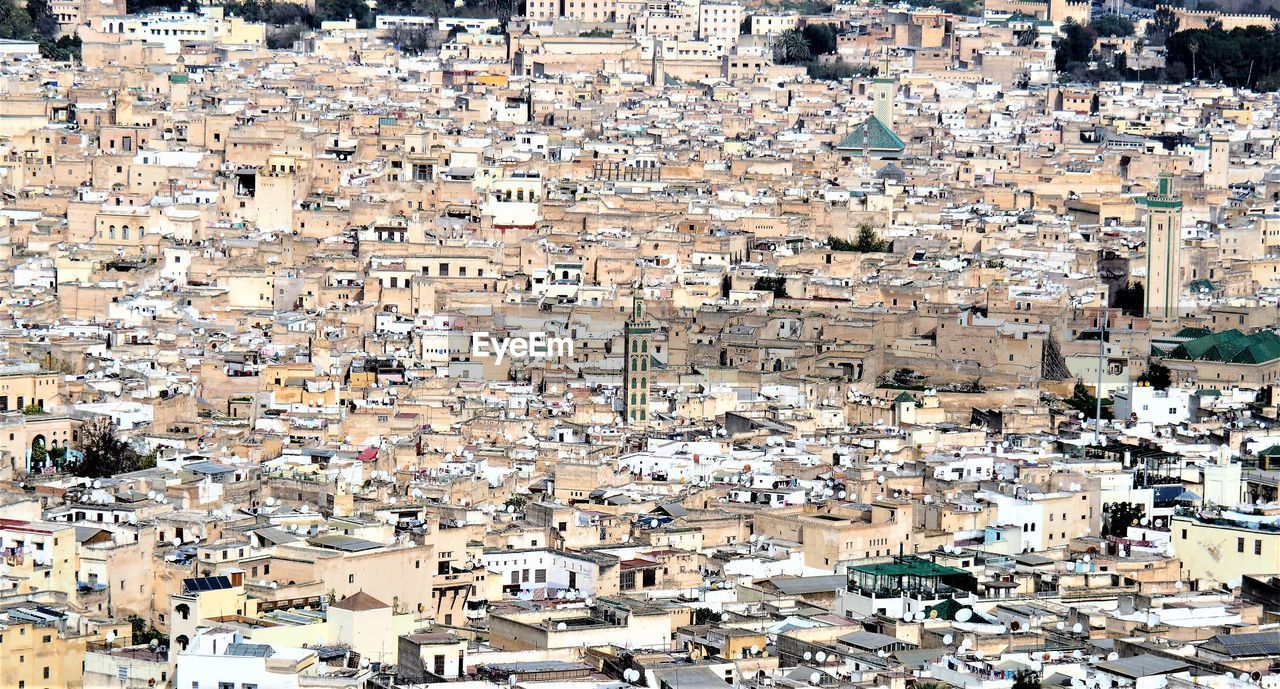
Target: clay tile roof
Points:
(358, 602)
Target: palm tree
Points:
(1194, 47)
(791, 47)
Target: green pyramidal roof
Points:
(877, 136)
(1230, 346)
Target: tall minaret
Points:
(886, 88)
(658, 67)
(637, 375)
(1164, 251)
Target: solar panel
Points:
(198, 584)
(250, 650)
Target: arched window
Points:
(183, 610)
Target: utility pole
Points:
(1102, 344)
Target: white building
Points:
(219, 658)
(1146, 404)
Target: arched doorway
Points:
(38, 458)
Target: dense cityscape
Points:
(662, 344)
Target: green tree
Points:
(144, 632)
(1112, 25)
(15, 23)
(791, 48)
(1084, 403)
(1157, 376)
(1117, 517)
(777, 285)
(1074, 47)
(39, 455)
(1163, 24)
(105, 454)
(868, 241)
(42, 21)
(1026, 679)
(341, 10)
(33, 409)
(821, 38)
(1130, 299)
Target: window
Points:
(226, 685)
(351, 578)
(1257, 547)
(437, 665)
(1239, 545)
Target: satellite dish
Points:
(562, 626)
(1112, 656)
(947, 639)
(1077, 627)
(964, 615)
(815, 678)
(821, 657)
(808, 655)
(111, 636)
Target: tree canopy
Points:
(35, 22)
(1112, 25)
(105, 454)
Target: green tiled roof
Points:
(878, 137)
(908, 566)
(1230, 346)
(1192, 333)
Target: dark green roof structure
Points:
(910, 575)
(1230, 347)
(873, 137)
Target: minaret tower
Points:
(1164, 251)
(886, 90)
(637, 375)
